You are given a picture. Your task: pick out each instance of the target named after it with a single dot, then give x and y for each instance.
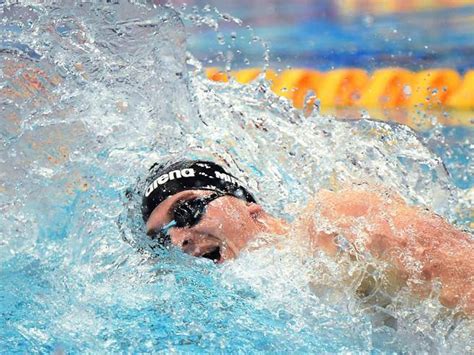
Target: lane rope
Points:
(352, 87)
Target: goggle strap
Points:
(166, 227)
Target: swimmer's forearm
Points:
(419, 243)
(443, 253)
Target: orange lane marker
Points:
(387, 88)
(216, 74)
(463, 98)
(245, 76)
(295, 84)
(431, 87)
(342, 87)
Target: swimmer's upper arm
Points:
(348, 207)
(348, 203)
(336, 213)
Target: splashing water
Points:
(92, 95)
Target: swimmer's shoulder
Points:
(356, 200)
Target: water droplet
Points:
(63, 30)
(311, 102)
(220, 38)
(364, 114)
(226, 17)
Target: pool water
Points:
(325, 35)
(92, 95)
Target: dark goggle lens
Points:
(188, 213)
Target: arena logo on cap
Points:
(163, 179)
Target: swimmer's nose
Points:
(196, 245)
(184, 240)
(180, 239)
(188, 246)
(191, 247)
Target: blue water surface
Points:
(323, 36)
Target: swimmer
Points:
(206, 212)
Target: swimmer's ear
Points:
(255, 210)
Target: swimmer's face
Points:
(226, 226)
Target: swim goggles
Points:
(185, 214)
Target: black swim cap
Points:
(165, 181)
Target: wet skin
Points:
(226, 227)
(390, 231)
(422, 246)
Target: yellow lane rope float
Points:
(389, 89)
(396, 6)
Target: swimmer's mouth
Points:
(214, 254)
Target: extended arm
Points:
(422, 245)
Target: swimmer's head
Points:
(164, 181)
(205, 211)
